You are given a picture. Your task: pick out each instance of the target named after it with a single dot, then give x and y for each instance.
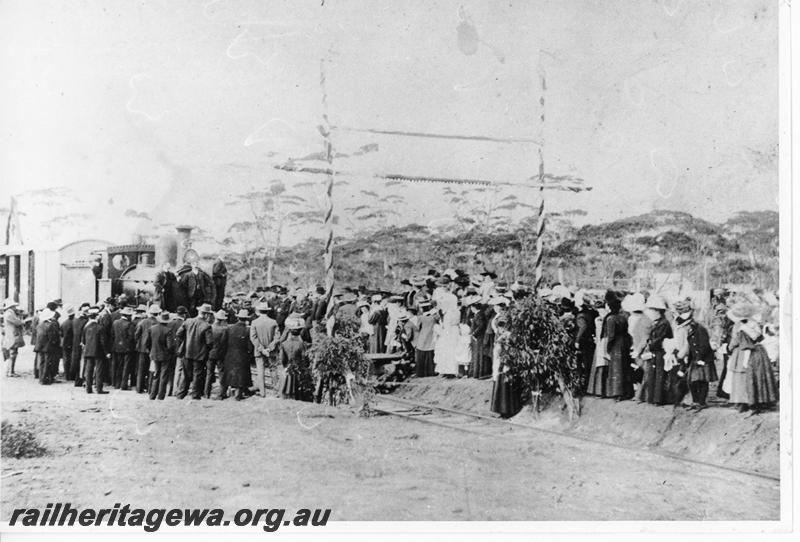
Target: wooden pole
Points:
(540, 217)
(325, 129)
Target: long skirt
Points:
(506, 399)
(760, 382)
(424, 363)
(446, 350)
(585, 358)
(654, 380)
(617, 376)
(598, 379)
(289, 386)
(481, 365)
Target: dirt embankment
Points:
(718, 434)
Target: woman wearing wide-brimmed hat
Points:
(752, 383)
(293, 360)
(654, 380)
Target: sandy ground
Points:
(123, 448)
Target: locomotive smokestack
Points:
(184, 241)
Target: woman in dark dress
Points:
(654, 385)
(584, 336)
(480, 365)
(618, 349)
(293, 360)
(238, 355)
(506, 399)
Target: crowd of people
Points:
(449, 324)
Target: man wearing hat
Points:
(105, 319)
(12, 335)
(78, 324)
(175, 366)
(94, 351)
(195, 334)
(159, 344)
(263, 334)
(216, 356)
(48, 345)
(143, 352)
(238, 354)
(66, 340)
(123, 349)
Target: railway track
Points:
(488, 426)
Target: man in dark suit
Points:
(159, 342)
(48, 345)
(192, 288)
(94, 351)
(77, 349)
(140, 336)
(216, 355)
(197, 339)
(219, 274)
(105, 319)
(66, 342)
(123, 349)
(174, 325)
(165, 284)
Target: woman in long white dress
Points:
(448, 338)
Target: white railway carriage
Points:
(35, 276)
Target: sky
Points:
(172, 108)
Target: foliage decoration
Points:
(540, 353)
(339, 361)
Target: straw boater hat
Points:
(141, 308)
(470, 300)
(126, 311)
(8, 303)
(205, 308)
(242, 314)
(221, 315)
(154, 309)
(634, 303)
(741, 311)
(294, 323)
(262, 307)
(656, 302)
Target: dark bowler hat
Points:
(181, 311)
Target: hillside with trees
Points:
(742, 250)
